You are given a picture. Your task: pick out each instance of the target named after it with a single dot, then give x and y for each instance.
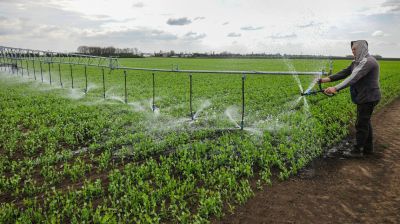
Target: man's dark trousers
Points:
(363, 126)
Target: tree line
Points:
(110, 51)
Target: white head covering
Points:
(361, 54)
(361, 47)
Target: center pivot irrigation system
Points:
(16, 60)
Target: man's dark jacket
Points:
(363, 80)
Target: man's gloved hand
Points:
(330, 90)
(323, 80)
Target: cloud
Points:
(251, 28)
(49, 31)
(126, 20)
(233, 34)
(179, 21)
(310, 24)
(11, 1)
(392, 5)
(66, 24)
(283, 36)
(199, 18)
(138, 5)
(141, 34)
(100, 18)
(17, 26)
(361, 32)
(378, 33)
(39, 13)
(194, 36)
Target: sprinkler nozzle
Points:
(311, 92)
(306, 93)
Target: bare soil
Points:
(334, 189)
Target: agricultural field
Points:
(100, 154)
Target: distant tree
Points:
(109, 51)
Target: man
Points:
(363, 78)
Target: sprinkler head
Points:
(306, 93)
(309, 92)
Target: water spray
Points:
(15, 55)
(316, 91)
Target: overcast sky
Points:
(239, 26)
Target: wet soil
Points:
(333, 189)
